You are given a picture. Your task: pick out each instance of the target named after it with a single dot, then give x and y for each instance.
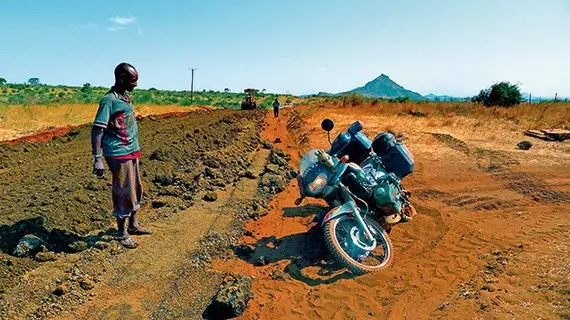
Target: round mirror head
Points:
(327, 124)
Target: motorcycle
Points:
(360, 180)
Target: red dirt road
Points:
(491, 240)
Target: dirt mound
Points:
(295, 124)
(48, 190)
(45, 135)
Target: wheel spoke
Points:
(379, 257)
(350, 243)
(341, 226)
(342, 232)
(353, 254)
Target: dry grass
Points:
(487, 128)
(17, 120)
(533, 116)
(460, 117)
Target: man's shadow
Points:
(55, 240)
(310, 261)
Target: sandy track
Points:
(482, 246)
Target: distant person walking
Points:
(115, 136)
(276, 106)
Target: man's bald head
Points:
(126, 76)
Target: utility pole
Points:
(530, 98)
(192, 86)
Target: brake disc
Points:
(356, 239)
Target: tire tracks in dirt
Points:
(434, 255)
(309, 276)
(499, 165)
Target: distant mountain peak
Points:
(384, 87)
(381, 77)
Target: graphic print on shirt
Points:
(122, 128)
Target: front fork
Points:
(349, 207)
(360, 221)
(347, 195)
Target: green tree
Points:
(3, 81)
(501, 94)
(227, 90)
(86, 87)
(34, 81)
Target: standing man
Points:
(276, 106)
(115, 136)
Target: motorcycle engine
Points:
(379, 188)
(387, 196)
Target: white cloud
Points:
(114, 29)
(123, 20)
(323, 69)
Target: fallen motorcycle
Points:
(360, 180)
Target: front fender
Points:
(339, 211)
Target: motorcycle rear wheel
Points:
(339, 234)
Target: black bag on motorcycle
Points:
(394, 154)
(353, 143)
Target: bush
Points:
(352, 99)
(87, 93)
(400, 99)
(18, 98)
(221, 104)
(266, 104)
(201, 101)
(234, 105)
(501, 94)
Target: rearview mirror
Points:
(327, 125)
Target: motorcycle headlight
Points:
(318, 184)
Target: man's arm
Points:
(96, 138)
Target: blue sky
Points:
(296, 46)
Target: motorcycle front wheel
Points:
(360, 256)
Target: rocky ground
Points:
(56, 227)
(490, 240)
